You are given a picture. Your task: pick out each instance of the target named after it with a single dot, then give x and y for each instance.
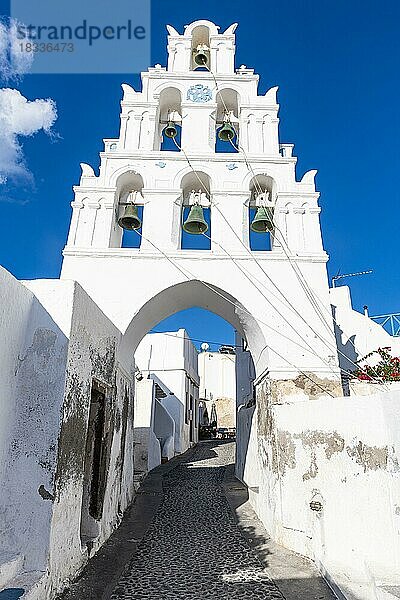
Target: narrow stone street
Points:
(202, 541)
(193, 549)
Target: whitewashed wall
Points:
(235, 286)
(147, 446)
(356, 334)
(217, 375)
(218, 386)
(57, 342)
(32, 378)
(342, 452)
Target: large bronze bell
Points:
(170, 130)
(195, 222)
(263, 220)
(226, 133)
(200, 57)
(130, 219)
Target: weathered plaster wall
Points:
(58, 343)
(92, 355)
(225, 409)
(32, 378)
(343, 453)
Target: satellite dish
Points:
(204, 346)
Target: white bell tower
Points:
(276, 298)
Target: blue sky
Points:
(336, 64)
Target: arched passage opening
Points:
(170, 396)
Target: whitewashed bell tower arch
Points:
(199, 99)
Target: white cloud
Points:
(20, 117)
(14, 62)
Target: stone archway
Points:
(195, 293)
(203, 295)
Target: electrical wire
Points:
(191, 276)
(250, 279)
(198, 339)
(310, 294)
(330, 346)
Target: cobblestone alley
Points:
(195, 548)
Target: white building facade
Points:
(217, 372)
(229, 278)
(170, 360)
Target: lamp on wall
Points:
(138, 374)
